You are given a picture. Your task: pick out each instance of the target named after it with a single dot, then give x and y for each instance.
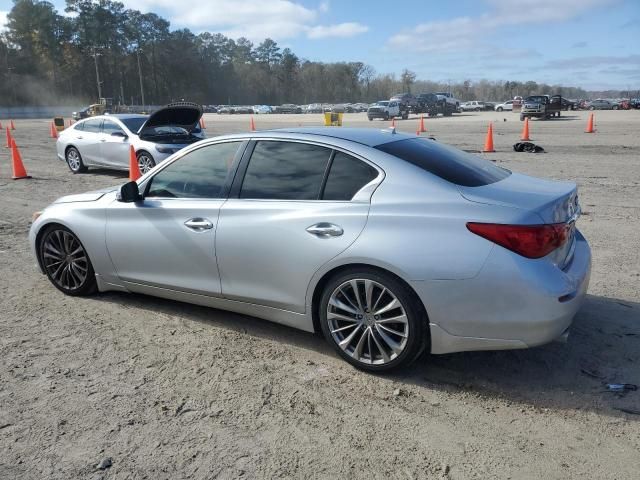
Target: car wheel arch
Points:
(41, 231)
(319, 286)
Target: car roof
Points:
(365, 136)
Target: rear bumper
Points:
(512, 303)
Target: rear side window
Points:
(79, 126)
(346, 176)
(285, 171)
(109, 127)
(446, 162)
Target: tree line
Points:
(55, 59)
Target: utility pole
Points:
(140, 75)
(95, 56)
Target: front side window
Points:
(285, 171)
(109, 127)
(202, 173)
(346, 176)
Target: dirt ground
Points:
(171, 391)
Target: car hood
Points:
(86, 197)
(184, 116)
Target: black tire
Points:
(405, 116)
(72, 265)
(522, 117)
(417, 332)
(499, 109)
(145, 161)
(74, 160)
(370, 119)
(386, 116)
(477, 109)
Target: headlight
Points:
(165, 149)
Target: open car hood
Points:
(184, 115)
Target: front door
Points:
(167, 240)
(114, 145)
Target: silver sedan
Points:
(104, 140)
(388, 244)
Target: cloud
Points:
(469, 33)
(253, 19)
(348, 29)
(3, 20)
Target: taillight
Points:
(531, 241)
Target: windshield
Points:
(537, 99)
(383, 104)
(134, 124)
(446, 162)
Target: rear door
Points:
(293, 207)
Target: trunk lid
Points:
(185, 115)
(553, 201)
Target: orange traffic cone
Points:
(422, 128)
(134, 168)
(252, 125)
(53, 133)
(16, 160)
(488, 142)
(525, 130)
(590, 128)
(393, 122)
(13, 127)
(8, 145)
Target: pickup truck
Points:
(433, 104)
(452, 102)
(387, 109)
(541, 106)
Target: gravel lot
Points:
(170, 391)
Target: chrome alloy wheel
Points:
(367, 321)
(145, 163)
(73, 159)
(65, 260)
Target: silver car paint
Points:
(105, 150)
(477, 295)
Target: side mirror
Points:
(119, 133)
(129, 193)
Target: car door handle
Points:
(198, 224)
(324, 229)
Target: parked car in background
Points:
(104, 140)
(472, 106)
(287, 108)
(388, 244)
(568, 104)
(261, 109)
(601, 104)
(314, 108)
(508, 105)
(541, 106)
(407, 100)
(209, 109)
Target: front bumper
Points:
(512, 303)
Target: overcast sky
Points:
(590, 43)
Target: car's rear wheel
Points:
(74, 160)
(66, 262)
(372, 320)
(145, 162)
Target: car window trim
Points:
(228, 181)
(236, 187)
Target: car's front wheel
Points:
(372, 320)
(145, 162)
(66, 262)
(499, 109)
(74, 160)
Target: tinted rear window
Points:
(446, 162)
(346, 176)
